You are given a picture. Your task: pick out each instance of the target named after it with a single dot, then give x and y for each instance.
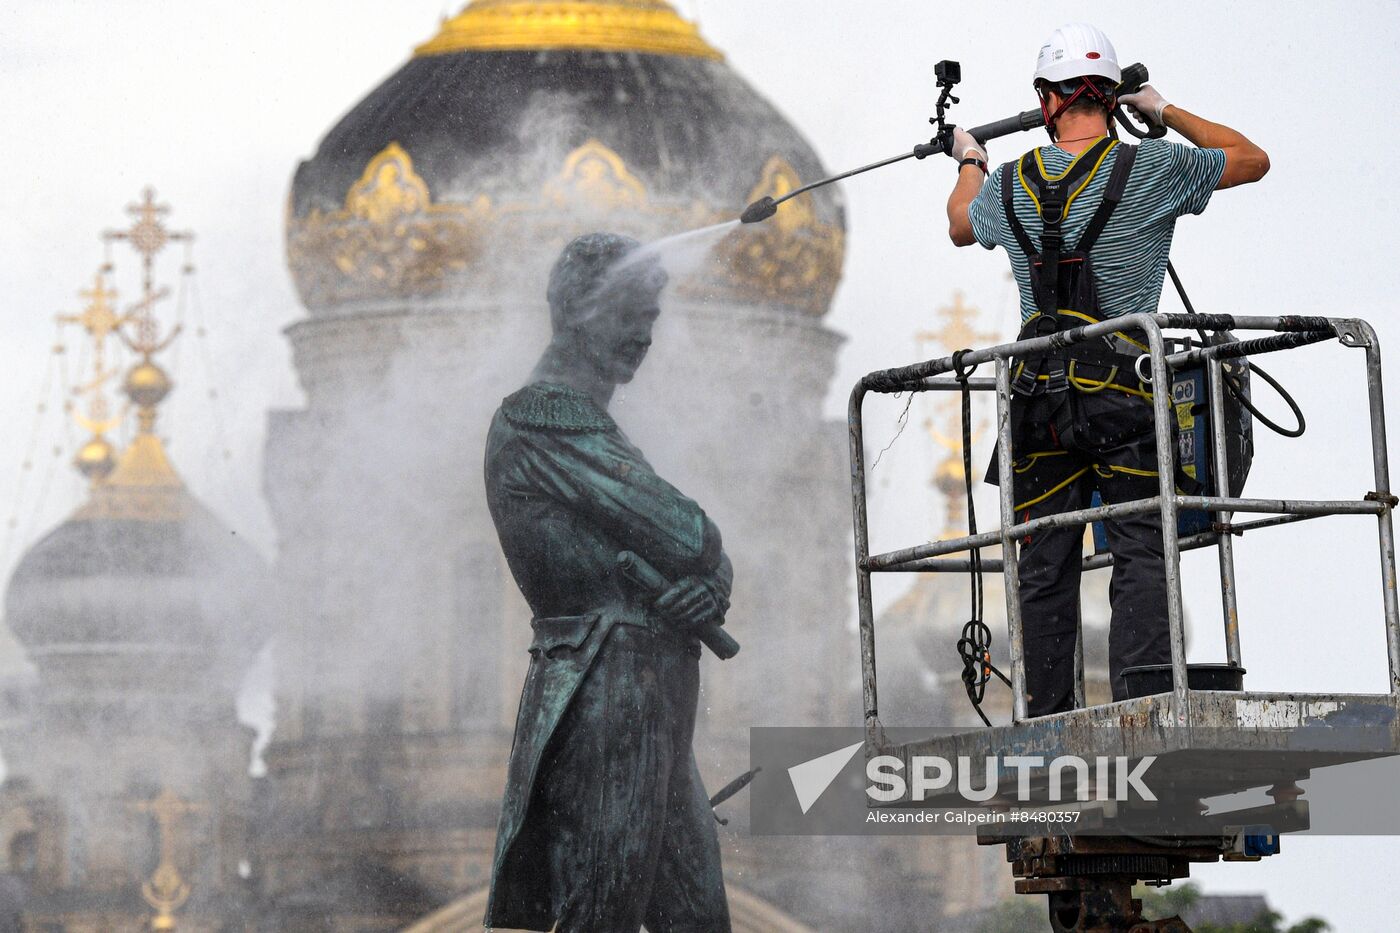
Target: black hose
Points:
(1238, 392)
(1224, 322)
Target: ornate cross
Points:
(100, 320)
(957, 333)
(166, 891)
(148, 236)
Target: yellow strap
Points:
(1140, 346)
(1049, 177)
(1112, 385)
(1089, 319)
(1132, 471)
(1112, 468)
(1032, 458)
(1138, 392)
(1088, 386)
(1021, 175)
(1042, 498)
(1040, 163)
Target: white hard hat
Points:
(1077, 50)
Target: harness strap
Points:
(1063, 187)
(1117, 181)
(1052, 198)
(1022, 237)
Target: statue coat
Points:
(568, 492)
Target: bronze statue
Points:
(605, 824)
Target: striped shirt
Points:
(1168, 180)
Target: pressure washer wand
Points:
(766, 207)
(1134, 77)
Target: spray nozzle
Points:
(759, 210)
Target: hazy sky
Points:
(214, 103)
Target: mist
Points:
(216, 107)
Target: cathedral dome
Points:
(522, 124)
(141, 565)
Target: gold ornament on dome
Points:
(390, 240)
(96, 459)
(649, 26)
(100, 321)
(142, 487)
(793, 259)
(389, 189)
(139, 484)
(594, 177)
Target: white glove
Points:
(965, 147)
(1147, 105)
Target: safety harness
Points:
(1062, 280)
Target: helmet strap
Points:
(1086, 86)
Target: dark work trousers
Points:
(1071, 443)
(632, 834)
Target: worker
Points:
(1087, 222)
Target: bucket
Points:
(1147, 679)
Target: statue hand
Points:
(690, 602)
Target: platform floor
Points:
(1225, 743)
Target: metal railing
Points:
(1289, 332)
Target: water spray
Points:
(949, 74)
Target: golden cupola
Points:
(142, 563)
(650, 26)
(521, 124)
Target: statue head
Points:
(604, 297)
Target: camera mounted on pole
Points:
(948, 74)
